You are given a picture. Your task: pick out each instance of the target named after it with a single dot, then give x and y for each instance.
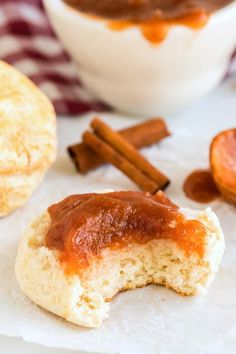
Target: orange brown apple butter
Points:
(200, 187)
(154, 17)
(82, 226)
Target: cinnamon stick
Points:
(112, 156)
(142, 135)
(123, 147)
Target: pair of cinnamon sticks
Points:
(119, 148)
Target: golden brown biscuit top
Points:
(27, 124)
(83, 226)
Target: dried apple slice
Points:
(223, 163)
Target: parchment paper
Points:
(150, 320)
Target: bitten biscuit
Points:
(84, 299)
(27, 138)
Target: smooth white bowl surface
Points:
(125, 70)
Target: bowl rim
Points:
(69, 9)
(71, 15)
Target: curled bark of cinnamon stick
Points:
(113, 148)
(120, 162)
(123, 147)
(142, 135)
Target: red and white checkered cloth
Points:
(28, 42)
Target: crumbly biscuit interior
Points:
(85, 299)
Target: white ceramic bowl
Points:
(126, 71)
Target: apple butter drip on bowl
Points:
(153, 17)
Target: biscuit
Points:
(84, 299)
(27, 138)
